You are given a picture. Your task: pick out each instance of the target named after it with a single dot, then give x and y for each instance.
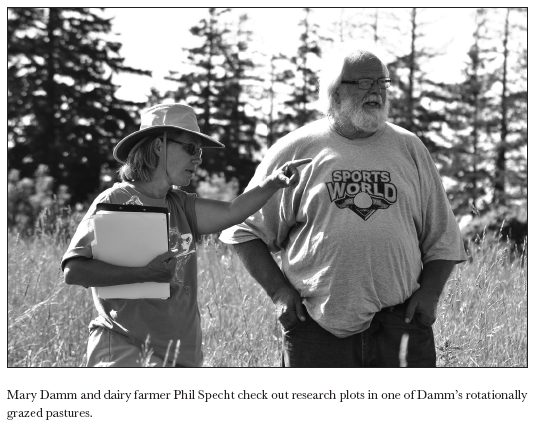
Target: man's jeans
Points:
(308, 345)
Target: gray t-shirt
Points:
(355, 232)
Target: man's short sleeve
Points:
(440, 237)
(273, 222)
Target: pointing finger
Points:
(300, 162)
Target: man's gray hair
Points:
(142, 161)
(334, 66)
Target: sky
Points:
(153, 38)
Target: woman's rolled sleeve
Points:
(80, 245)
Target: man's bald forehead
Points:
(361, 58)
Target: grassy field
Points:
(482, 318)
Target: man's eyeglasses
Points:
(191, 149)
(368, 83)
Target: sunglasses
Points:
(191, 149)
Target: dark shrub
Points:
(508, 224)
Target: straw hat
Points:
(163, 118)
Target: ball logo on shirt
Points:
(363, 200)
(363, 192)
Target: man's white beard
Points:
(366, 120)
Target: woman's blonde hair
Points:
(142, 160)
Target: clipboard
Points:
(130, 236)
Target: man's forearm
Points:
(261, 265)
(432, 281)
(258, 261)
(435, 275)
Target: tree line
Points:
(64, 117)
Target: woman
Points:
(164, 153)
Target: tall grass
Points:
(482, 316)
(47, 320)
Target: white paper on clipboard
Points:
(130, 239)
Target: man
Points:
(367, 238)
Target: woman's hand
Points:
(162, 268)
(216, 215)
(287, 175)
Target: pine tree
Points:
(298, 109)
(271, 136)
(470, 117)
(517, 101)
(364, 24)
(499, 177)
(512, 110)
(416, 101)
(280, 76)
(62, 109)
(217, 87)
